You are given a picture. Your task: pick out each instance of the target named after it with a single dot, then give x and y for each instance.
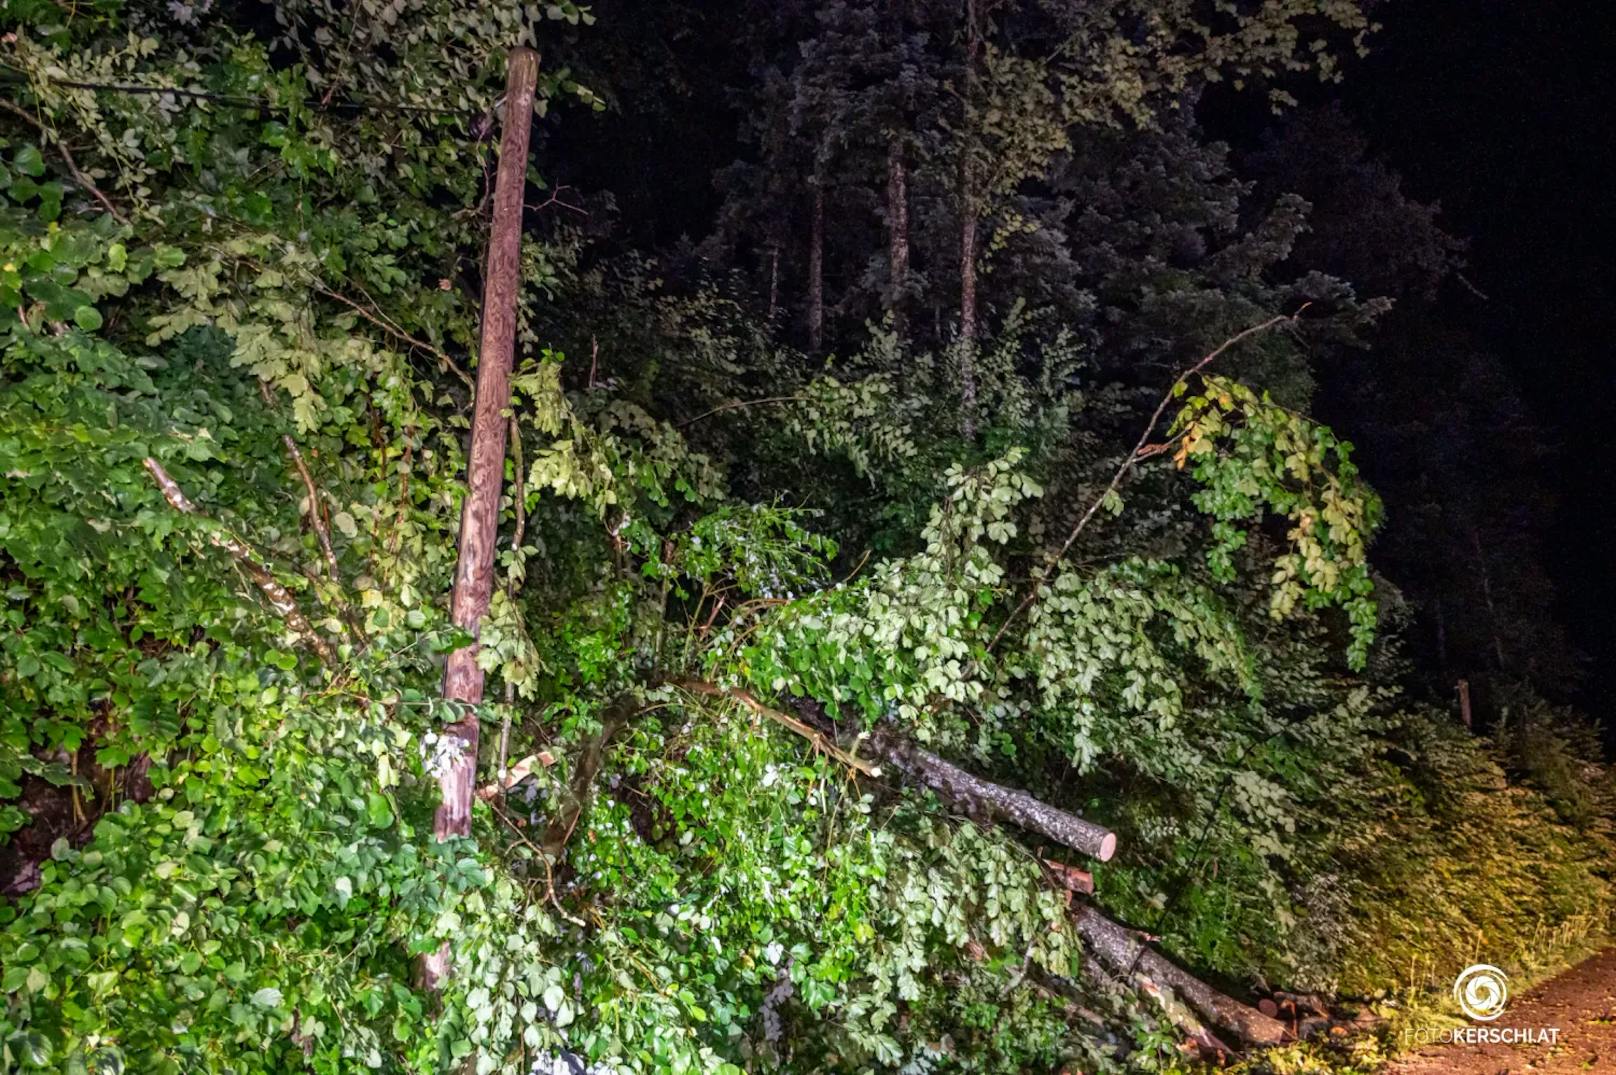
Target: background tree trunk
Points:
(774, 281)
(897, 230)
(968, 213)
(485, 468)
(898, 180)
(816, 269)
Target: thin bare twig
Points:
(555, 198)
(518, 494)
(387, 325)
(820, 741)
(544, 857)
(736, 404)
(316, 519)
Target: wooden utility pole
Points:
(485, 468)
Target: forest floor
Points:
(1581, 1002)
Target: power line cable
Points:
(240, 101)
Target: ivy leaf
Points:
(87, 318)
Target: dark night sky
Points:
(1503, 111)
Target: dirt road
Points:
(1581, 1003)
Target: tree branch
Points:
(79, 177)
(1138, 453)
(279, 597)
(321, 531)
(822, 742)
(387, 325)
(737, 404)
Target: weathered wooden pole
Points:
(485, 468)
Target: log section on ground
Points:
(1125, 952)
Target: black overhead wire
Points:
(237, 101)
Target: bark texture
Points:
(968, 224)
(816, 269)
(978, 796)
(1127, 954)
(897, 231)
(485, 467)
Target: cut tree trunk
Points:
(983, 797)
(1127, 954)
(963, 790)
(485, 467)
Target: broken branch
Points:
(1070, 878)
(1138, 453)
(517, 773)
(279, 597)
(820, 740)
(79, 177)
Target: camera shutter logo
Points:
(1482, 990)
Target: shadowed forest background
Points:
(1031, 536)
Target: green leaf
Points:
(28, 161)
(378, 810)
(267, 997)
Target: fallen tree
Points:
(1188, 1002)
(965, 791)
(1128, 955)
(985, 798)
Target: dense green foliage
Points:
(252, 263)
